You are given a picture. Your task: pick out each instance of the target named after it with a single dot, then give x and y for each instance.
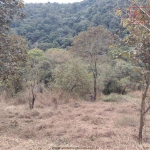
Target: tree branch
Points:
(142, 9)
(144, 26)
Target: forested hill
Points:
(54, 25)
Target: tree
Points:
(13, 49)
(33, 73)
(13, 53)
(139, 42)
(139, 38)
(92, 45)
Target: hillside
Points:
(54, 25)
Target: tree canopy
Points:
(12, 47)
(54, 25)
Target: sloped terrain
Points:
(53, 25)
(71, 124)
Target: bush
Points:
(13, 85)
(113, 97)
(117, 76)
(73, 77)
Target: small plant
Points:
(113, 97)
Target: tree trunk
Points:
(31, 103)
(33, 99)
(95, 80)
(95, 89)
(142, 116)
(143, 111)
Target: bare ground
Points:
(72, 124)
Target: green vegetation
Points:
(139, 42)
(13, 48)
(92, 45)
(113, 97)
(54, 25)
(78, 48)
(87, 66)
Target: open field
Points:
(76, 124)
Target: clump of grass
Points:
(127, 121)
(85, 118)
(113, 97)
(35, 113)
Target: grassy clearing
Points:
(74, 123)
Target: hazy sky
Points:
(52, 1)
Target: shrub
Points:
(117, 76)
(113, 97)
(73, 77)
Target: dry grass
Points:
(126, 121)
(73, 123)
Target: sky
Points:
(52, 1)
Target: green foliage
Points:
(139, 41)
(13, 54)
(14, 85)
(10, 9)
(113, 97)
(57, 56)
(92, 45)
(58, 69)
(45, 73)
(117, 76)
(37, 65)
(119, 52)
(54, 25)
(35, 53)
(41, 64)
(73, 77)
(13, 49)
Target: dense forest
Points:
(54, 25)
